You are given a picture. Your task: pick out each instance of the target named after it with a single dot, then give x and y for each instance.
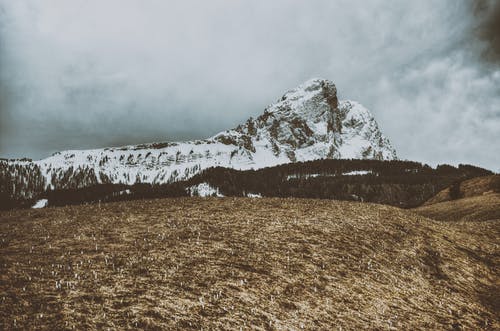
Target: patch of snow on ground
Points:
(296, 176)
(350, 173)
(42, 203)
(204, 190)
(254, 195)
(358, 172)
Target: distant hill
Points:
(476, 199)
(468, 188)
(477, 208)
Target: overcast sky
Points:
(92, 73)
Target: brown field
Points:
(470, 188)
(232, 263)
(484, 207)
(480, 201)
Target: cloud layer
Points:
(89, 73)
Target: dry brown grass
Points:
(252, 263)
(469, 188)
(476, 208)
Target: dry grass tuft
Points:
(259, 264)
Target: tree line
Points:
(396, 182)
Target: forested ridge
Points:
(400, 183)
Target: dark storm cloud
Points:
(83, 74)
(487, 13)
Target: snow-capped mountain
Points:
(306, 123)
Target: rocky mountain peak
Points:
(312, 98)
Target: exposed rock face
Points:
(306, 123)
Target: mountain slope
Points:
(307, 123)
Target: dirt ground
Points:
(256, 264)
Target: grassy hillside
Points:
(260, 264)
(476, 199)
(476, 208)
(468, 188)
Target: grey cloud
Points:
(85, 74)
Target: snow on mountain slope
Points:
(306, 123)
